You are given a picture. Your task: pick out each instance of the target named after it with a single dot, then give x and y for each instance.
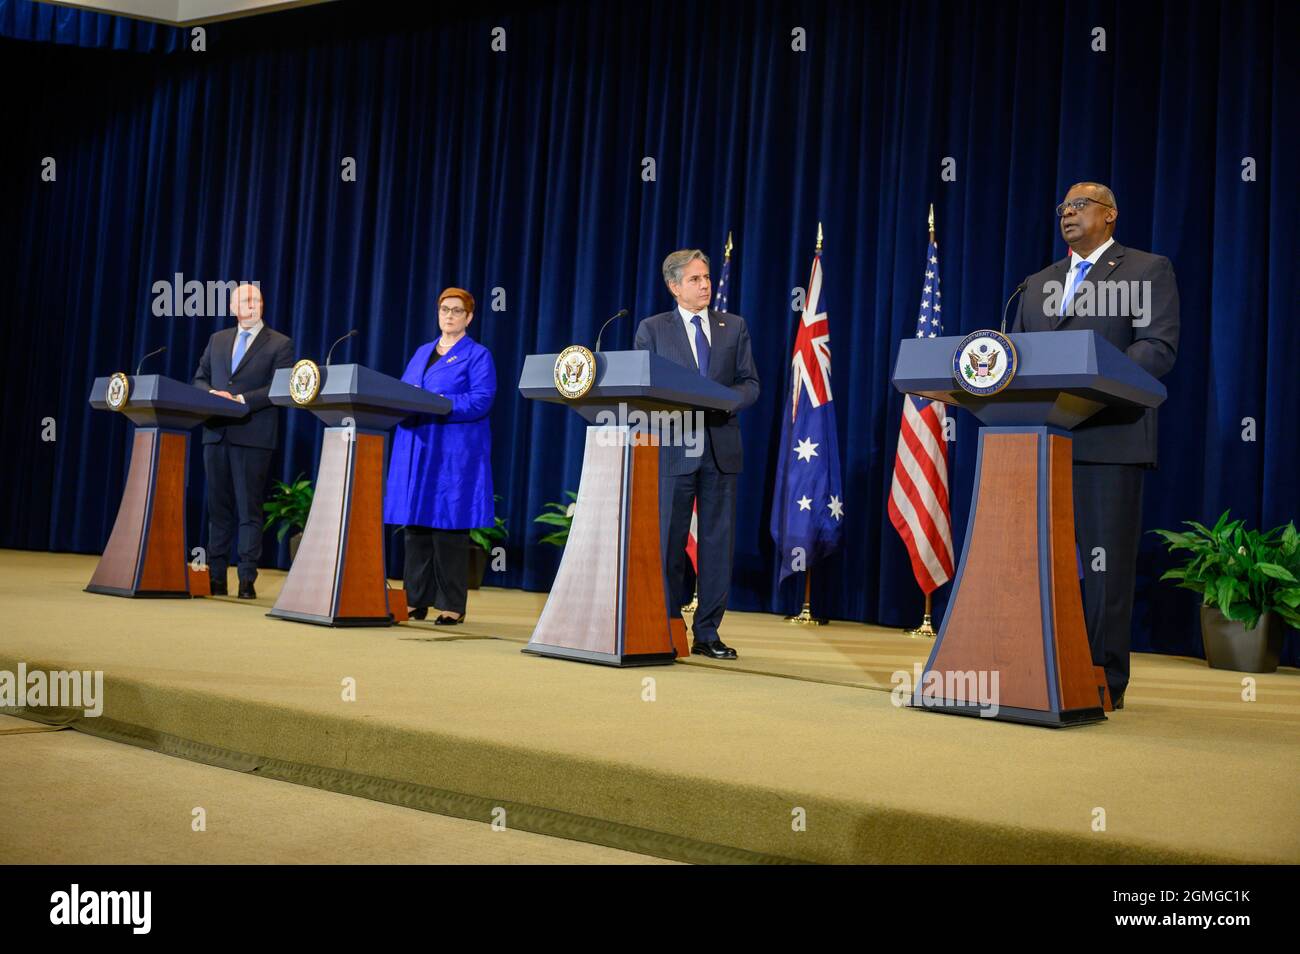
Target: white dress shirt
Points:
(1091, 260)
(1072, 274)
(252, 336)
(687, 319)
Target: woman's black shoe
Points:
(419, 612)
(445, 620)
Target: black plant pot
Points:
(1230, 645)
(478, 558)
(294, 542)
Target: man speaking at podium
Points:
(239, 364)
(1130, 298)
(716, 344)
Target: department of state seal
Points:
(118, 391)
(575, 372)
(304, 382)
(984, 363)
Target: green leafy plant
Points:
(1244, 573)
(488, 537)
(558, 515)
(289, 504)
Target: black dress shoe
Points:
(714, 650)
(418, 612)
(218, 589)
(246, 591)
(445, 620)
(1117, 702)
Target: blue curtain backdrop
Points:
(522, 170)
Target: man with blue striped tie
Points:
(239, 364)
(716, 344)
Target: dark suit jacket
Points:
(1115, 435)
(731, 363)
(270, 350)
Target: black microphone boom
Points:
(148, 356)
(336, 344)
(1019, 288)
(621, 313)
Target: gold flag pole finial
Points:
(931, 221)
(726, 256)
(819, 238)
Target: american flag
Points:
(808, 504)
(719, 304)
(918, 495)
(720, 293)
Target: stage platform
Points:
(711, 762)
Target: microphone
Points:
(336, 344)
(621, 314)
(148, 356)
(1019, 288)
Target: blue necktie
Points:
(240, 347)
(701, 346)
(1074, 286)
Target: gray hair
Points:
(677, 261)
(1104, 191)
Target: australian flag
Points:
(808, 505)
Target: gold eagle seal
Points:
(118, 391)
(304, 382)
(575, 372)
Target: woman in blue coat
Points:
(440, 473)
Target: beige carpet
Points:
(68, 798)
(715, 768)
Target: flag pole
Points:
(926, 629)
(805, 617)
(694, 604)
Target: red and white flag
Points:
(918, 494)
(693, 542)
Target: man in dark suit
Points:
(1131, 299)
(239, 364)
(717, 345)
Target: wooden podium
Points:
(609, 603)
(146, 554)
(1016, 608)
(338, 576)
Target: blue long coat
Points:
(440, 472)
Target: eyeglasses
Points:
(1078, 205)
(448, 310)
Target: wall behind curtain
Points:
(522, 171)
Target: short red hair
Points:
(460, 293)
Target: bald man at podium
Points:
(1130, 298)
(239, 364)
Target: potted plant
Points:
(1250, 587)
(484, 538)
(558, 515)
(289, 504)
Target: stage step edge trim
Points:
(533, 818)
